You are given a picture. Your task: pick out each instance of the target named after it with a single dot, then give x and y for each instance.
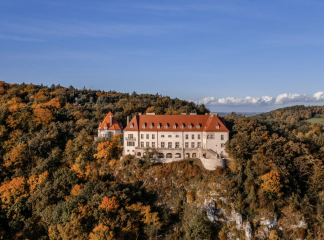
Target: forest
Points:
(56, 182)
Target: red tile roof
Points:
(106, 123)
(167, 123)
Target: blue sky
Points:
(231, 55)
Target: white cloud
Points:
(281, 99)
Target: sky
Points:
(251, 55)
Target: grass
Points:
(316, 120)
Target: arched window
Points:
(169, 155)
(178, 155)
(160, 155)
(139, 154)
(194, 155)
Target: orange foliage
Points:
(150, 109)
(107, 150)
(11, 122)
(43, 115)
(40, 97)
(76, 190)
(13, 190)
(77, 168)
(16, 156)
(101, 232)
(34, 180)
(109, 204)
(148, 216)
(55, 102)
(271, 182)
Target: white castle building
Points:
(176, 137)
(109, 126)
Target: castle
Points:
(175, 137)
(109, 126)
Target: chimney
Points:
(139, 113)
(183, 114)
(110, 120)
(127, 120)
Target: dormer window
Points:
(152, 125)
(131, 126)
(198, 126)
(166, 126)
(105, 128)
(217, 127)
(175, 126)
(158, 126)
(144, 126)
(190, 126)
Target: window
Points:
(147, 136)
(151, 126)
(187, 136)
(138, 154)
(166, 126)
(174, 126)
(199, 145)
(147, 144)
(197, 126)
(189, 126)
(181, 126)
(131, 144)
(158, 126)
(222, 137)
(162, 145)
(169, 155)
(207, 136)
(169, 136)
(198, 136)
(153, 144)
(169, 144)
(130, 135)
(177, 136)
(192, 145)
(162, 136)
(142, 136)
(142, 144)
(186, 145)
(177, 145)
(153, 136)
(131, 126)
(193, 136)
(143, 126)
(217, 127)
(222, 145)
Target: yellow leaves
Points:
(101, 232)
(55, 102)
(150, 109)
(103, 150)
(34, 180)
(148, 217)
(76, 189)
(77, 168)
(12, 122)
(12, 190)
(108, 150)
(43, 115)
(16, 156)
(109, 204)
(40, 97)
(271, 182)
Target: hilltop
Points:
(56, 182)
